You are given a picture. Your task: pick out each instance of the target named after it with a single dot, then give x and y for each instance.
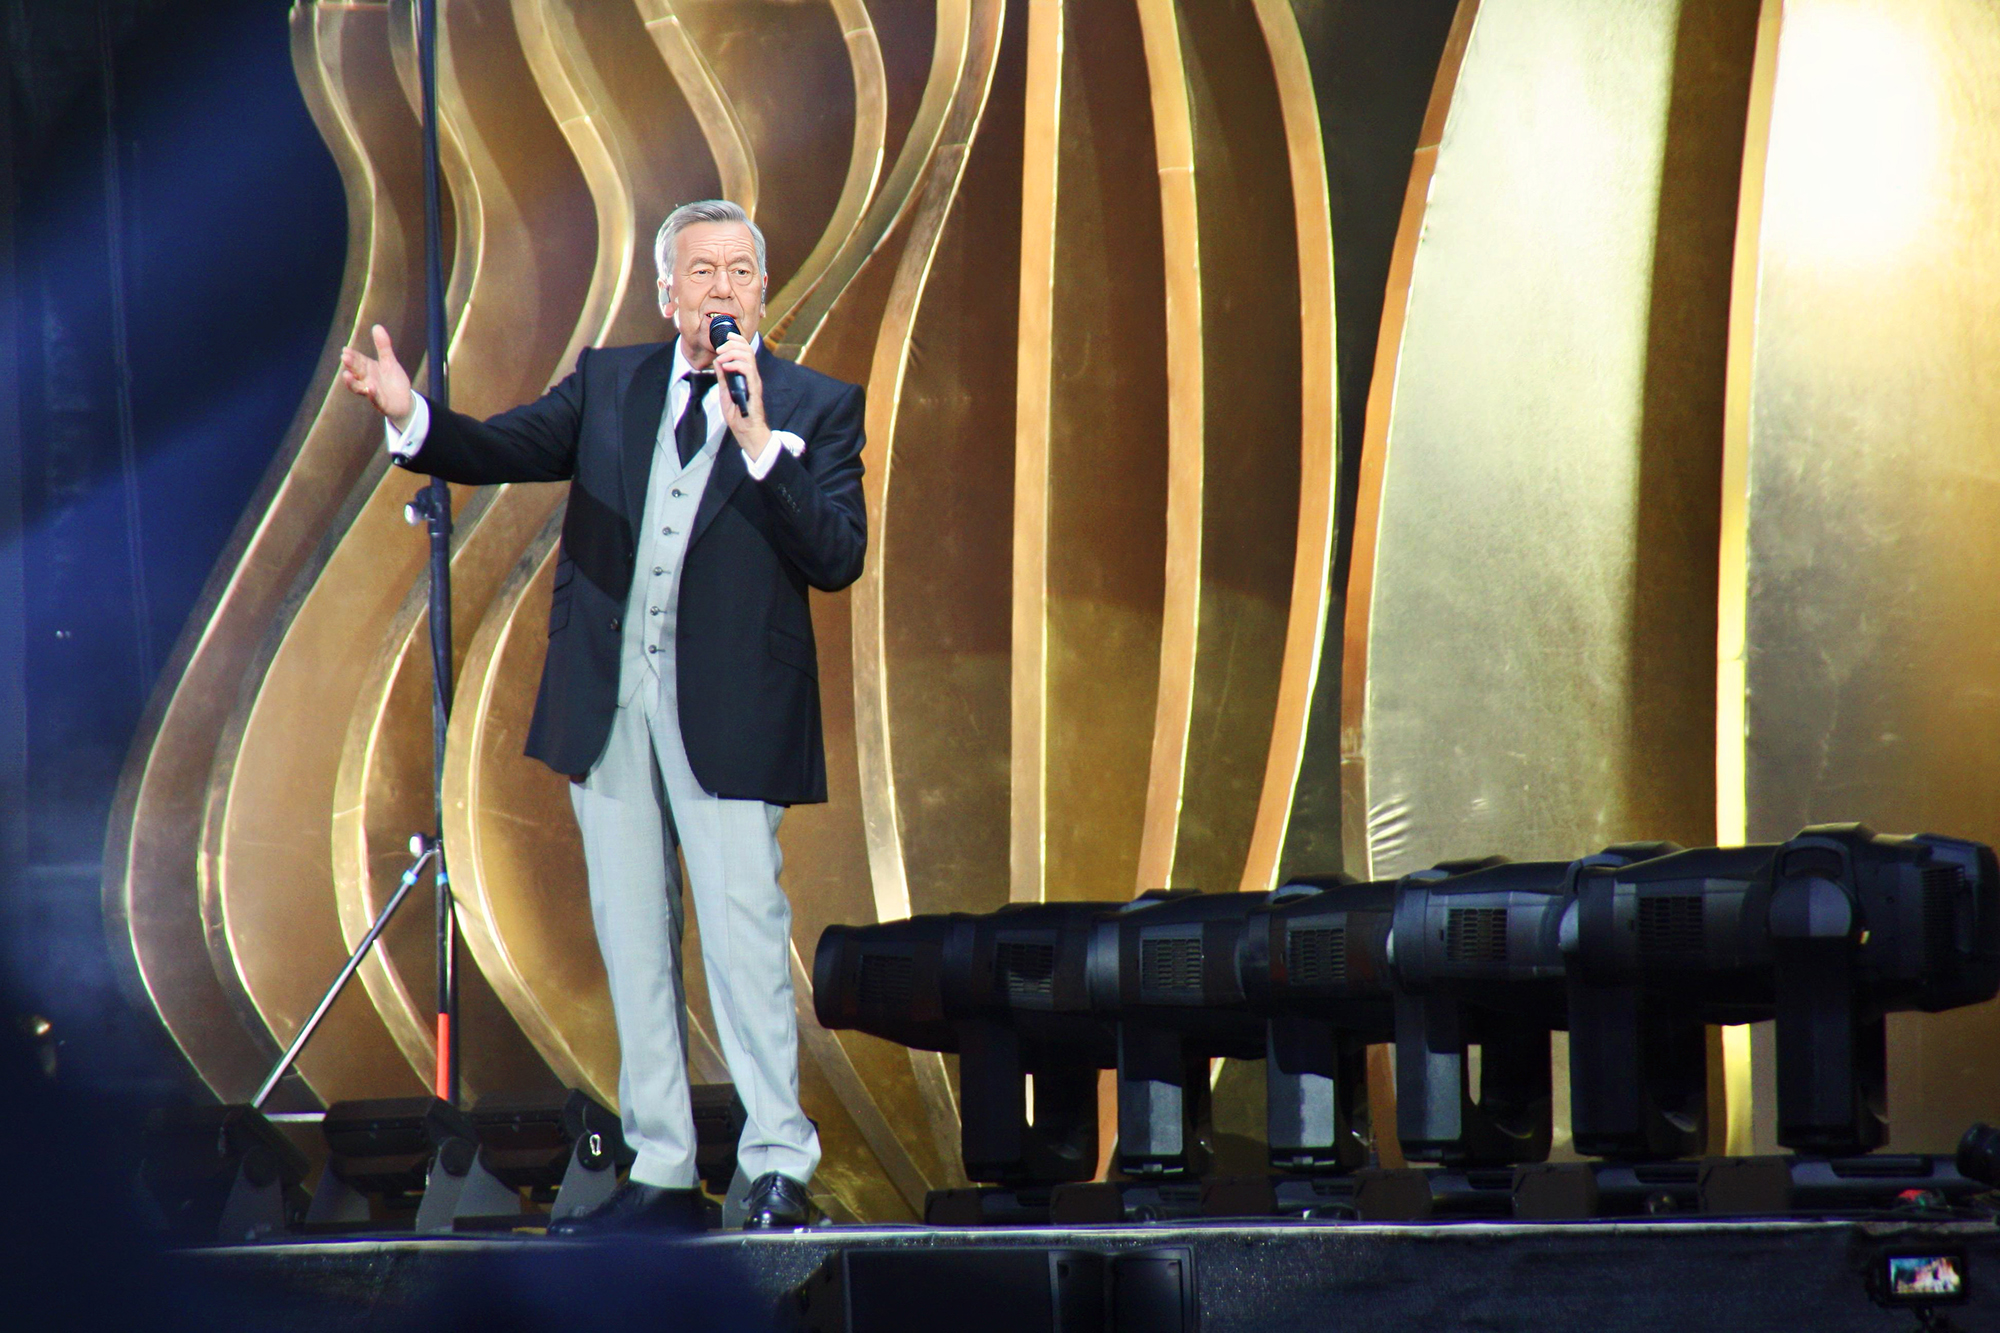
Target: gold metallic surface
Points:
(267, 886)
(1375, 448)
(931, 662)
(1315, 552)
(949, 79)
(1538, 671)
(1863, 569)
(1090, 462)
(1233, 470)
(342, 57)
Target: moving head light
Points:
(1828, 933)
(1314, 963)
(1863, 925)
(1474, 950)
(1655, 951)
(1006, 993)
(1163, 972)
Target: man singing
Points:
(680, 690)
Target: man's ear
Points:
(666, 286)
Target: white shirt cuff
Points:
(403, 445)
(760, 467)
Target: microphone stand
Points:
(431, 505)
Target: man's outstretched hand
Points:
(380, 379)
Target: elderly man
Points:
(680, 691)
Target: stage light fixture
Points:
(1163, 971)
(563, 1151)
(1314, 964)
(1655, 951)
(404, 1163)
(1862, 925)
(1475, 957)
(221, 1174)
(1827, 933)
(1006, 993)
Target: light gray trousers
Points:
(631, 808)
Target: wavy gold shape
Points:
(1859, 570)
(1174, 152)
(1349, 67)
(901, 405)
(1544, 530)
(152, 906)
(864, 162)
(267, 896)
(728, 141)
(1375, 446)
(931, 124)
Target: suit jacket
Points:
(748, 672)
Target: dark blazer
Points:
(748, 674)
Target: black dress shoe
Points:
(776, 1200)
(634, 1208)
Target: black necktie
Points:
(692, 432)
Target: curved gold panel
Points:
(1538, 674)
(1861, 574)
(1534, 548)
(1314, 552)
(1235, 456)
(1353, 83)
(932, 123)
(635, 140)
(1090, 461)
(342, 57)
(869, 81)
(728, 141)
(1375, 444)
(891, 631)
(268, 896)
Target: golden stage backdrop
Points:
(1566, 324)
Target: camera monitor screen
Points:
(1926, 1277)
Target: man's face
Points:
(715, 273)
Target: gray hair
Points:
(706, 210)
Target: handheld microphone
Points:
(719, 329)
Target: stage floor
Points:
(1250, 1277)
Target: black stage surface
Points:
(1691, 1274)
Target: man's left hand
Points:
(749, 428)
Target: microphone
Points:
(719, 329)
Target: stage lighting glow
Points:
(1857, 137)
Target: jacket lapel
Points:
(645, 399)
(780, 396)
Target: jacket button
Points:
(614, 624)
